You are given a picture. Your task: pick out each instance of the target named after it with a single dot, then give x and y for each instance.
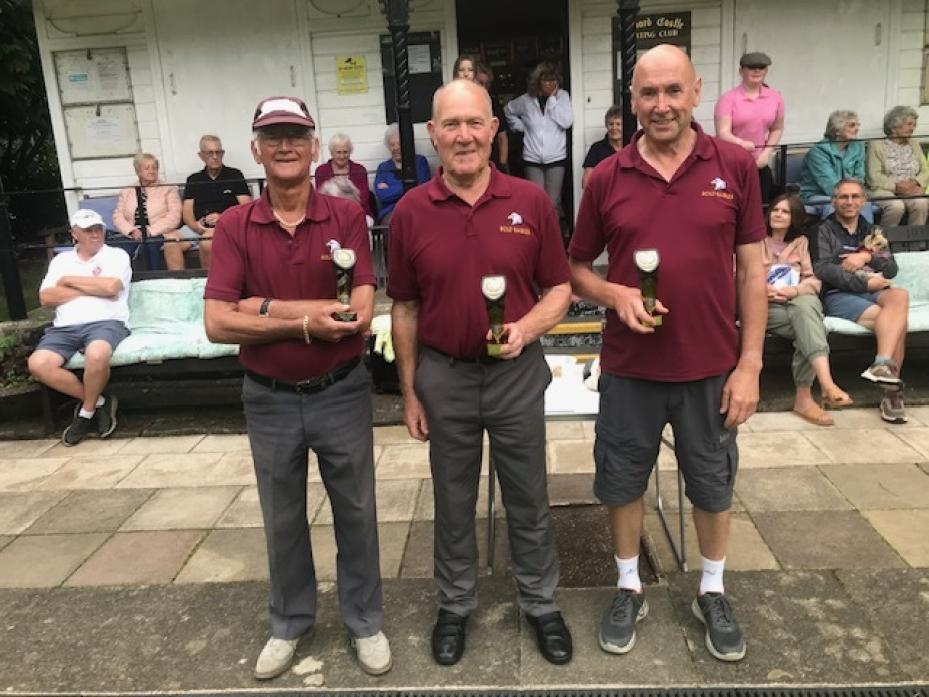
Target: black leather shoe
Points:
(553, 637)
(448, 638)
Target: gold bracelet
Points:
(306, 330)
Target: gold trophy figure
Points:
(493, 288)
(646, 261)
(344, 262)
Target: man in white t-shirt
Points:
(89, 289)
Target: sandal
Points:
(834, 400)
(815, 415)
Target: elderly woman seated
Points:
(839, 155)
(795, 311)
(341, 165)
(388, 182)
(897, 170)
(157, 209)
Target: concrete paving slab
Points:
(403, 462)
(924, 466)
(89, 447)
(396, 502)
(565, 489)
(590, 429)
(19, 511)
(886, 486)
(45, 561)
(659, 656)
(245, 510)
(92, 472)
(26, 474)
(778, 422)
(906, 531)
(191, 469)
(869, 419)
(566, 430)
(182, 509)
(28, 448)
(5, 540)
(825, 540)
(392, 435)
(570, 457)
(392, 538)
(918, 416)
(780, 489)
(895, 612)
(130, 558)
(767, 449)
(864, 445)
(799, 627)
(228, 555)
(918, 439)
(159, 445)
(90, 511)
(223, 443)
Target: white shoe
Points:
(275, 658)
(373, 653)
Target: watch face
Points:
(493, 287)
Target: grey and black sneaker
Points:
(893, 409)
(79, 429)
(723, 638)
(882, 373)
(105, 416)
(617, 628)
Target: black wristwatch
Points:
(265, 306)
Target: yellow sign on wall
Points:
(351, 74)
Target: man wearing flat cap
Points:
(272, 289)
(89, 288)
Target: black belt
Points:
(482, 359)
(311, 386)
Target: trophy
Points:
(493, 289)
(344, 262)
(646, 261)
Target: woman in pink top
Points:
(160, 211)
(795, 311)
(752, 115)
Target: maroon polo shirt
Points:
(711, 205)
(441, 247)
(254, 256)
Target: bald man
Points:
(469, 222)
(695, 201)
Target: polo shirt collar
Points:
(499, 187)
(630, 157)
(317, 209)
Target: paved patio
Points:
(122, 520)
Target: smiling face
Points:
(614, 130)
(285, 151)
(848, 200)
(462, 129)
(849, 131)
(665, 92)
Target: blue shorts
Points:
(850, 306)
(66, 341)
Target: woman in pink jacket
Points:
(160, 211)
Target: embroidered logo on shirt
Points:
(332, 245)
(718, 184)
(516, 226)
(97, 271)
(719, 189)
(515, 218)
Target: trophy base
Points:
(345, 316)
(493, 350)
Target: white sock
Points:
(628, 573)
(84, 414)
(101, 400)
(712, 579)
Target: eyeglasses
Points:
(296, 140)
(212, 153)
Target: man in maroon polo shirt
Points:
(469, 222)
(695, 200)
(272, 289)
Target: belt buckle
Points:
(306, 386)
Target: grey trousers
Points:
(551, 179)
(506, 398)
(336, 424)
(801, 321)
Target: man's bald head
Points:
(663, 57)
(462, 129)
(665, 92)
(460, 88)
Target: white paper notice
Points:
(420, 59)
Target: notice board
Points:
(425, 61)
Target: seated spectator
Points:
(89, 288)
(795, 311)
(897, 168)
(340, 164)
(857, 287)
(340, 187)
(500, 146)
(612, 142)
(158, 210)
(207, 193)
(388, 182)
(837, 156)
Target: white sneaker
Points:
(275, 658)
(373, 653)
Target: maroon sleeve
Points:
(401, 281)
(750, 222)
(226, 278)
(552, 265)
(356, 238)
(588, 240)
(359, 177)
